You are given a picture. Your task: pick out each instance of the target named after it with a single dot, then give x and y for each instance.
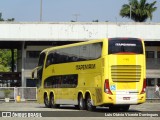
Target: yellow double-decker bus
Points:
(108, 72)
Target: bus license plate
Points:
(126, 98)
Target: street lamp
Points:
(40, 10)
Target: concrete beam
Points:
(75, 31)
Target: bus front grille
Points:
(125, 73)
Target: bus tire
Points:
(89, 105)
(52, 102)
(46, 101)
(81, 102)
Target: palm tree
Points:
(139, 11)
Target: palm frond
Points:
(140, 10)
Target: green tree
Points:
(95, 20)
(140, 10)
(5, 59)
(10, 19)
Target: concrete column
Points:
(23, 62)
(155, 54)
(22, 70)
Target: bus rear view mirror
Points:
(34, 73)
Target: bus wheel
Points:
(81, 103)
(90, 107)
(46, 101)
(52, 102)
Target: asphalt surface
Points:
(21, 111)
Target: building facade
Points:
(31, 38)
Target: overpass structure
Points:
(31, 38)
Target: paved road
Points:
(40, 107)
(69, 110)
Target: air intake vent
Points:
(125, 73)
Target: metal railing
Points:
(25, 93)
(150, 93)
(30, 93)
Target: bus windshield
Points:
(117, 46)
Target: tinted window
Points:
(40, 69)
(74, 54)
(150, 81)
(41, 59)
(158, 54)
(61, 81)
(125, 46)
(33, 54)
(150, 54)
(158, 81)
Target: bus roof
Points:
(85, 42)
(74, 44)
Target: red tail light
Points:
(144, 87)
(106, 87)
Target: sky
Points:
(66, 10)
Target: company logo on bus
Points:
(86, 66)
(125, 44)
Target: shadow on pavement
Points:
(73, 108)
